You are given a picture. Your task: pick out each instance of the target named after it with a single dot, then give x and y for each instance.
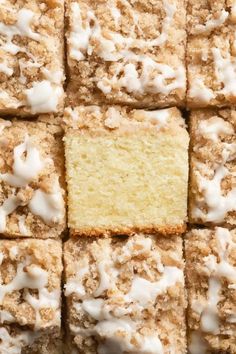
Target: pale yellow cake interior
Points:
(126, 181)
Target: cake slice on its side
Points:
(125, 295)
(126, 170)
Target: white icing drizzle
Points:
(218, 204)
(144, 291)
(225, 71)
(217, 269)
(22, 28)
(13, 252)
(10, 344)
(209, 318)
(31, 276)
(1, 258)
(211, 24)
(197, 343)
(4, 68)
(4, 124)
(151, 77)
(43, 97)
(6, 316)
(27, 165)
(48, 206)
(213, 127)
(22, 226)
(199, 91)
(109, 327)
(8, 206)
(118, 331)
(74, 284)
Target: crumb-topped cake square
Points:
(211, 283)
(31, 180)
(211, 53)
(31, 56)
(212, 192)
(125, 295)
(30, 296)
(126, 170)
(126, 52)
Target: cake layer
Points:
(127, 170)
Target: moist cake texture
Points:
(125, 295)
(211, 53)
(30, 296)
(31, 180)
(127, 170)
(212, 192)
(31, 56)
(126, 52)
(211, 283)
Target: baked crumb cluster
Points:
(121, 57)
(31, 56)
(125, 295)
(31, 180)
(30, 296)
(97, 87)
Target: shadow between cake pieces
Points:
(126, 52)
(30, 296)
(212, 191)
(211, 284)
(211, 53)
(126, 170)
(125, 295)
(31, 57)
(32, 187)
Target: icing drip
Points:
(25, 169)
(211, 24)
(48, 206)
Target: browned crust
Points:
(168, 230)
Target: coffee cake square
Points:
(32, 188)
(211, 283)
(125, 295)
(126, 170)
(212, 192)
(31, 56)
(126, 52)
(211, 53)
(30, 296)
